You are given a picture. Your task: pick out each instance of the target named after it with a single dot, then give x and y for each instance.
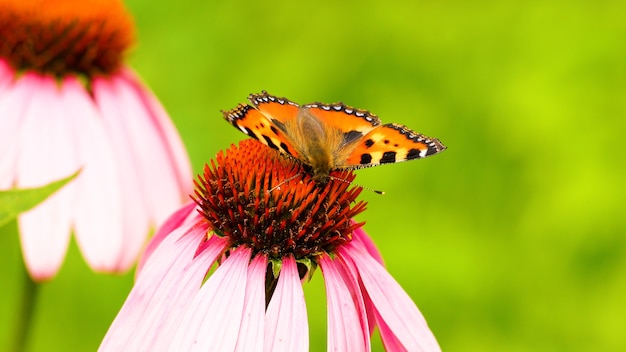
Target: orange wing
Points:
(278, 110)
(353, 123)
(391, 143)
(256, 125)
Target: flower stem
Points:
(24, 318)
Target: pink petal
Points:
(162, 293)
(184, 214)
(352, 272)
(213, 319)
(391, 302)
(46, 147)
(347, 322)
(286, 326)
(390, 341)
(13, 104)
(134, 206)
(178, 154)
(364, 240)
(97, 213)
(253, 320)
(130, 119)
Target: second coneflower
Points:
(68, 103)
(263, 241)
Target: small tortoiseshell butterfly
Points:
(327, 137)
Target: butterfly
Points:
(328, 137)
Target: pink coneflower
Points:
(67, 102)
(262, 245)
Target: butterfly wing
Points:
(353, 123)
(257, 125)
(391, 143)
(281, 111)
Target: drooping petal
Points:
(97, 208)
(391, 302)
(347, 322)
(390, 340)
(361, 238)
(213, 319)
(286, 326)
(168, 283)
(145, 146)
(46, 148)
(177, 153)
(13, 106)
(253, 320)
(134, 201)
(351, 272)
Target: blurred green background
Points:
(511, 240)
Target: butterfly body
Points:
(328, 137)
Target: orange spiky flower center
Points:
(238, 196)
(60, 37)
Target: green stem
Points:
(24, 318)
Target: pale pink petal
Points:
(213, 319)
(347, 322)
(97, 209)
(253, 321)
(286, 326)
(169, 135)
(134, 202)
(185, 214)
(166, 286)
(391, 302)
(13, 105)
(157, 179)
(46, 153)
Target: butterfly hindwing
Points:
(391, 143)
(256, 125)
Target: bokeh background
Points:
(511, 240)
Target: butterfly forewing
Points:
(353, 123)
(256, 125)
(391, 143)
(280, 111)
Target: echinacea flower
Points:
(68, 103)
(226, 273)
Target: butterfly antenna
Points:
(283, 182)
(356, 184)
